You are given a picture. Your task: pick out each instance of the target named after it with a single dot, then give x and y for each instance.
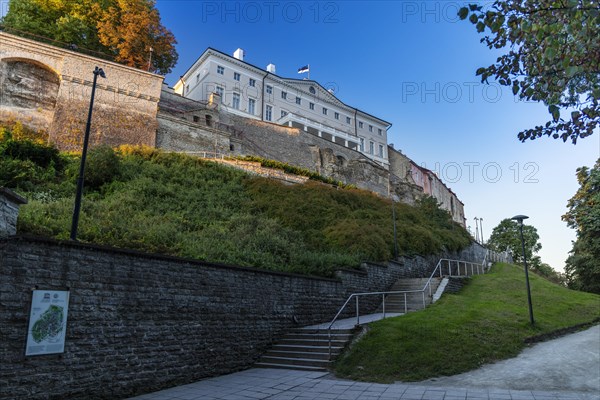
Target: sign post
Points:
(47, 322)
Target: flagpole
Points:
(309, 72)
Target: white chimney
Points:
(271, 68)
(239, 54)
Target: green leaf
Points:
(463, 12)
(572, 70)
(473, 18)
(555, 111)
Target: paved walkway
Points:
(570, 365)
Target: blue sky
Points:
(411, 63)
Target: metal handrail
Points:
(438, 266)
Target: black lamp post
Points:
(86, 137)
(520, 218)
(395, 235)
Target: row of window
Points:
(284, 96)
(371, 147)
(252, 106)
(269, 117)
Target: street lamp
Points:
(77, 207)
(481, 230)
(476, 230)
(519, 219)
(395, 235)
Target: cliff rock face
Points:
(28, 92)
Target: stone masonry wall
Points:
(49, 88)
(9, 211)
(302, 149)
(140, 322)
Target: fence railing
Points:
(443, 265)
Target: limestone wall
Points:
(302, 149)
(9, 211)
(410, 182)
(49, 88)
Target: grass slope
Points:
(149, 200)
(487, 321)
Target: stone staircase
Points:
(394, 303)
(306, 349)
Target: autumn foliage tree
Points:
(551, 54)
(128, 31)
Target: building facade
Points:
(252, 92)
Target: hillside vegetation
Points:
(142, 198)
(487, 321)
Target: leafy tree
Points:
(132, 29)
(552, 55)
(507, 235)
(583, 265)
(125, 30)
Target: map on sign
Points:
(47, 322)
(49, 325)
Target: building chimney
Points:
(239, 54)
(271, 68)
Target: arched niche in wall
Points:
(28, 91)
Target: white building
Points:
(252, 92)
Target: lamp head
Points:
(520, 218)
(100, 71)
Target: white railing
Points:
(206, 154)
(440, 268)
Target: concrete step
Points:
(312, 342)
(306, 362)
(298, 354)
(318, 336)
(290, 366)
(307, 349)
(414, 300)
(334, 331)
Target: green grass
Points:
(487, 321)
(149, 200)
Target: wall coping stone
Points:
(397, 263)
(375, 264)
(12, 196)
(352, 271)
(156, 256)
(58, 50)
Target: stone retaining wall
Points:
(9, 211)
(140, 322)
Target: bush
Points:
(40, 154)
(102, 166)
(146, 199)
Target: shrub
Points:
(40, 154)
(103, 165)
(175, 204)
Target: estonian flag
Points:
(304, 69)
